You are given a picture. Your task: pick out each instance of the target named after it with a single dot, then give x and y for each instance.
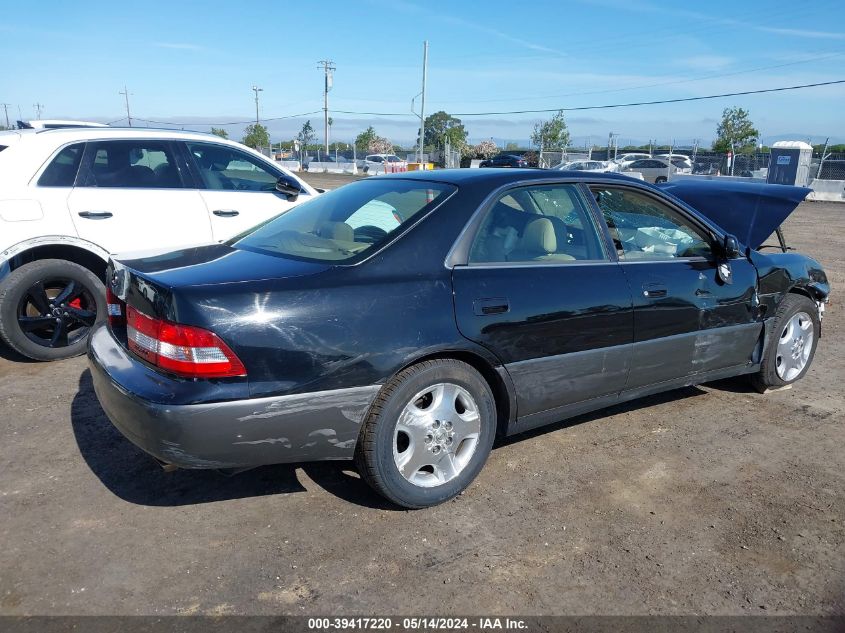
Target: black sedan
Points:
(505, 160)
(407, 321)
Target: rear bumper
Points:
(231, 434)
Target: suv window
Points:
(136, 164)
(644, 228)
(545, 223)
(225, 168)
(61, 172)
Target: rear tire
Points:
(48, 307)
(428, 433)
(792, 345)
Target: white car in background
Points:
(623, 160)
(595, 166)
(681, 161)
(55, 124)
(69, 197)
(654, 170)
(377, 163)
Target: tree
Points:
(219, 131)
(511, 146)
(552, 134)
(256, 136)
(379, 145)
(362, 141)
(306, 135)
(486, 149)
(441, 126)
(735, 132)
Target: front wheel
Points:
(428, 433)
(792, 344)
(48, 307)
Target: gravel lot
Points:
(710, 500)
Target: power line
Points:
(178, 123)
(615, 105)
(38, 108)
(666, 83)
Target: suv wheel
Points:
(48, 307)
(428, 433)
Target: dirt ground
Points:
(710, 500)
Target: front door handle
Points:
(701, 292)
(225, 213)
(486, 307)
(95, 215)
(655, 291)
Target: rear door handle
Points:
(225, 213)
(486, 307)
(654, 291)
(95, 215)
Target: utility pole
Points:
(256, 90)
(6, 110)
(328, 67)
(422, 101)
(38, 107)
(125, 94)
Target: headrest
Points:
(337, 231)
(539, 236)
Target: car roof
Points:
(67, 134)
(497, 177)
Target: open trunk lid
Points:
(751, 211)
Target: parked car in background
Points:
(505, 160)
(595, 166)
(681, 161)
(654, 170)
(406, 321)
(54, 124)
(376, 162)
(70, 197)
(623, 160)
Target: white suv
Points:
(70, 197)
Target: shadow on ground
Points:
(135, 477)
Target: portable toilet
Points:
(789, 163)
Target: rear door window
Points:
(136, 164)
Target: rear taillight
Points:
(116, 309)
(183, 350)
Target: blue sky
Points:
(196, 62)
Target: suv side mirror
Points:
(731, 247)
(288, 189)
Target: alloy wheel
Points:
(794, 346)
(436, 435)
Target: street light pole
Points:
(328, 67)
(422, 101)
(125, 94)
(256, 90)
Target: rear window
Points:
(344, 224)
(61, 172)
(2, 147)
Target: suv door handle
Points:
(654, 291)
(95, 215)
(486, 307)
(225, 213)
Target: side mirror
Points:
(288, 189)
(731, 247)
